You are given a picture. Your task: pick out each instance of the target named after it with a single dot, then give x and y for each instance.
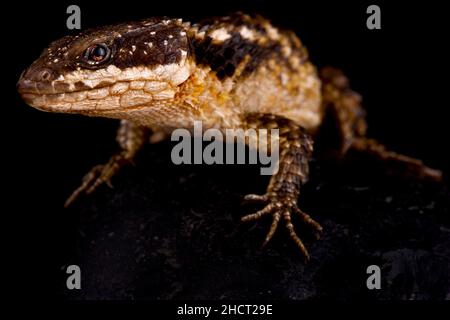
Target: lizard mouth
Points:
(104, 97)
(104, 90)
(25, 86)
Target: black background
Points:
(401, 71)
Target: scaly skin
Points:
(234, 72)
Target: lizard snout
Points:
(34, 80)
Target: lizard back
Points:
(259, 68)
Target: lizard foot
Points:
(98, 175)
(280, 209)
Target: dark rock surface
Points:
(173, 232)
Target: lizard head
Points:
(110, 70)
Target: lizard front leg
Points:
(280, 199)
(131, 138)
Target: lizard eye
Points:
(97, 53)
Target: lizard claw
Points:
(282, 210)
(89, 183)
(93, 179)
(256, 198)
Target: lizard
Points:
(236, 71)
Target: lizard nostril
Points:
(45, 75)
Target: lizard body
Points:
(237, 71)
